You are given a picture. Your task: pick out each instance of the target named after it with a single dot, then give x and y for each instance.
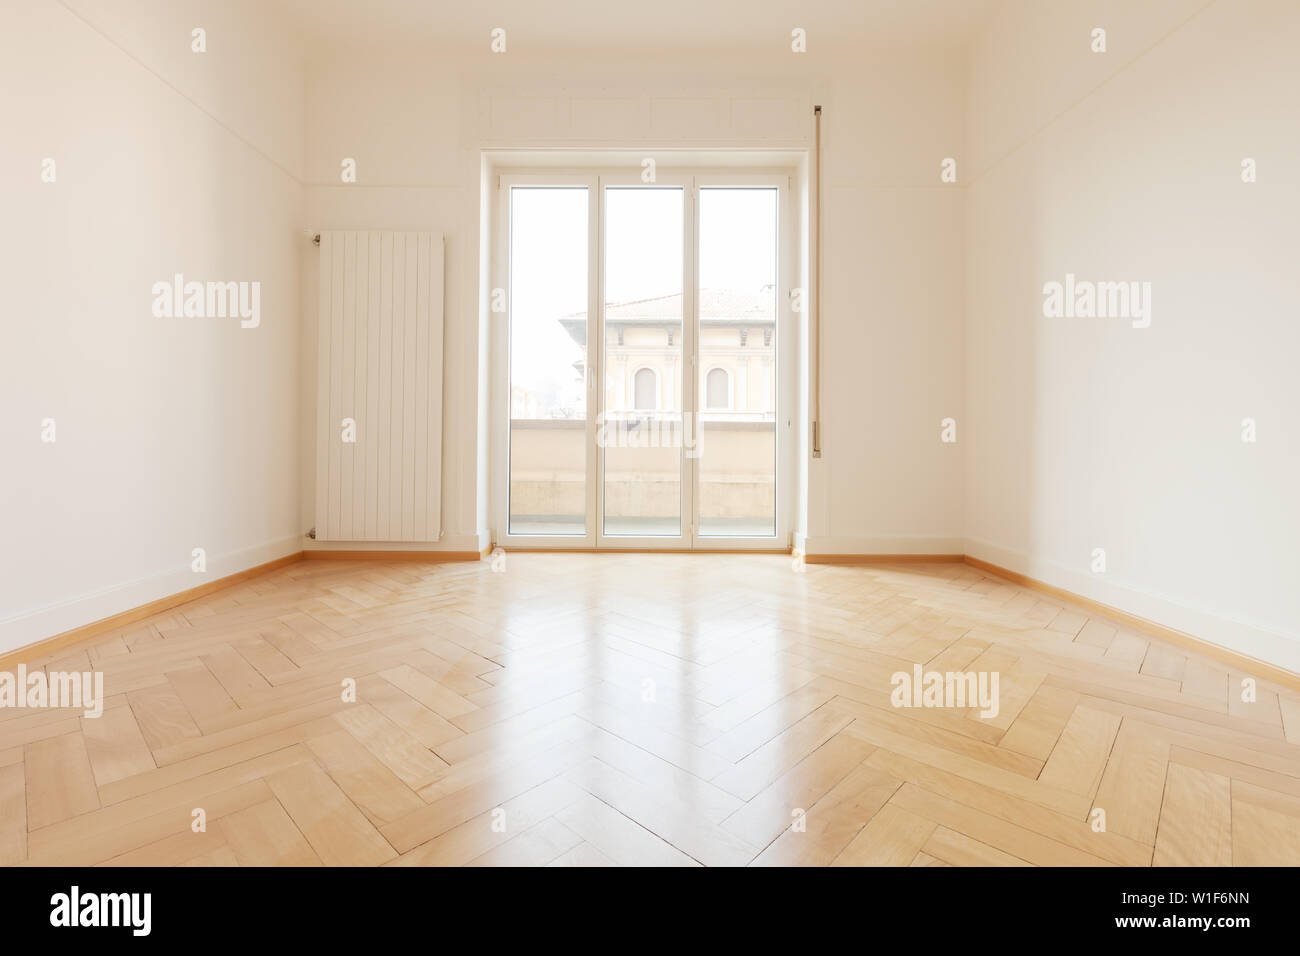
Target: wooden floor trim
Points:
(130, 616)
(1245, 662)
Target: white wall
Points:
(1089, 433)
(416, 126)
(172, 434)
(892, 311)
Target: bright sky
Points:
(643, 259)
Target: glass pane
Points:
(737, 426)
(641, 426)
(548, 360)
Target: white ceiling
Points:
(645, 25)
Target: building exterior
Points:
(645, 363)
(644, 354)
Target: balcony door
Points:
(643, 374)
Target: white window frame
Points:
(691, 180)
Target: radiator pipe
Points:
(817, 293)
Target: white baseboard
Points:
(883, 544)
(35, 624)
(1274, 646)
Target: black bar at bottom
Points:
(335, 906)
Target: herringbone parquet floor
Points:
(644, 709)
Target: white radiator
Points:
(379, 387)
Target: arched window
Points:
(645, 390)
(717, 390)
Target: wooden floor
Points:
(644, 710)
